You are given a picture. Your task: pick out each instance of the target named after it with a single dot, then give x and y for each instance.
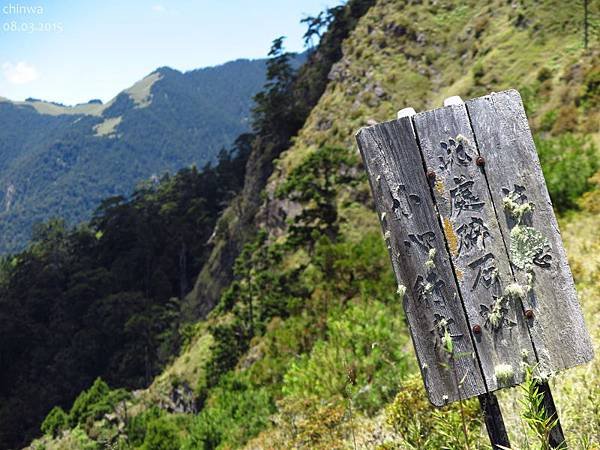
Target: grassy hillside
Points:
(308, 347)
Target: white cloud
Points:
(19, 73)
(159, 8)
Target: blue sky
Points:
(70, 51)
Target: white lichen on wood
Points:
(430, 263)
(514, 208)
(504, 374)
(496, 313)
(525, 244)
(401, 291)
(514, 291)
(428, 288)
(462, 140)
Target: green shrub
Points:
(544, 74)
(92, 404)
(590, 91)
(235, 412)
(315, 183)
(362, 358)
(424, 427)
(161, 434)
(230, 342)
(138, 424)
(478, 72)
(312, 423)
(348, 269)
(56, 421)
(79, 440)
(548, 120)
(568, 162)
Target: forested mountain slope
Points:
(58, 161)
(307, 346)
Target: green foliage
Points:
(315, 184)
(424, 427)
(478, 72)
(590, 91)
(235, 412)
(137, 426)
(103, 299)
(161, 434)
(272, 103)
(350, 269)
(312, 423)
(568, 161)
(93, 403)
(56, 421)
(79, 440)
(362, 358)
(230, 342)
(262, 290)
(534, 414)
(548, 120)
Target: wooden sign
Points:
(475, 246)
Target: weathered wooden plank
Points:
(417, 249)
(479, 259)
(530, 230)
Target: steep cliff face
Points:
(238, 224)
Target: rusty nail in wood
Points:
(431, 175)
(529, 313)
(480, 161)
(476, 329)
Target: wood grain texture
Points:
(421, 263)
(537, 254)
(479, 257)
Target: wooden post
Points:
(494, 422)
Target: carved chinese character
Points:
(424, 241)
(516, 205)
(403, 201)
(429, 287)
(487, 272)
(543, 258)
(462, 196)
(517, 195)
(454, 151)
(441, 329)
(495, 314)
(472, 235)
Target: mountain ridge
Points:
(62, 160)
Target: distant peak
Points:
(166, 70)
